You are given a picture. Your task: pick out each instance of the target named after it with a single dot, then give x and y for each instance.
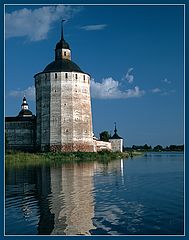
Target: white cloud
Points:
(35, 24)
(94, 27)
(162, 92)
(109, 89)
(166, 81)
(129, 76)
(29, 93)
(156, 90)
(166, 93)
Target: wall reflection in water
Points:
(26, 203)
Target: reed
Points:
(54, 158)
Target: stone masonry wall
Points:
(21, 135)
(43, 90)
(64, 120)
(117, 145)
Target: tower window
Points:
(66, 75)
(64, 53)
(55, 75)
(83, 78)
(76, 76)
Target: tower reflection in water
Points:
(73, 196)
(59, 200)
(72, 200)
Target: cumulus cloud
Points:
(35, 24)
(129, 76)
(162, 92)
(29, 93)
(94, 27)
(109, 89)
(166, 93)
(156, 90)
(166, 81)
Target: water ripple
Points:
(138, 196)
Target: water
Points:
(139, 196)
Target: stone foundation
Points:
(72, 147)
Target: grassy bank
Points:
(21, 158)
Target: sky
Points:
(134, 54)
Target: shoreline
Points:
(17, 158)
(25, 158)
(20, 158)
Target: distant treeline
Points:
(145, 147)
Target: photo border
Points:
(2, 108)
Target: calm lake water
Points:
(139, 196)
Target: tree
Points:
(172, 147)
(176, 147)
(134, 147)
(104, 136)
(167, 148)
(146, 147)
(158, 148)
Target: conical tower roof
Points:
(115, 136)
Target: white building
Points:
(116, 142)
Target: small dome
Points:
(24, 104)
(115, 136)
(62, 65)
(62, 44)
(25, 112)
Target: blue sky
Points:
(134, 55)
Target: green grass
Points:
(50, 158)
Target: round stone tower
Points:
(63, 104)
